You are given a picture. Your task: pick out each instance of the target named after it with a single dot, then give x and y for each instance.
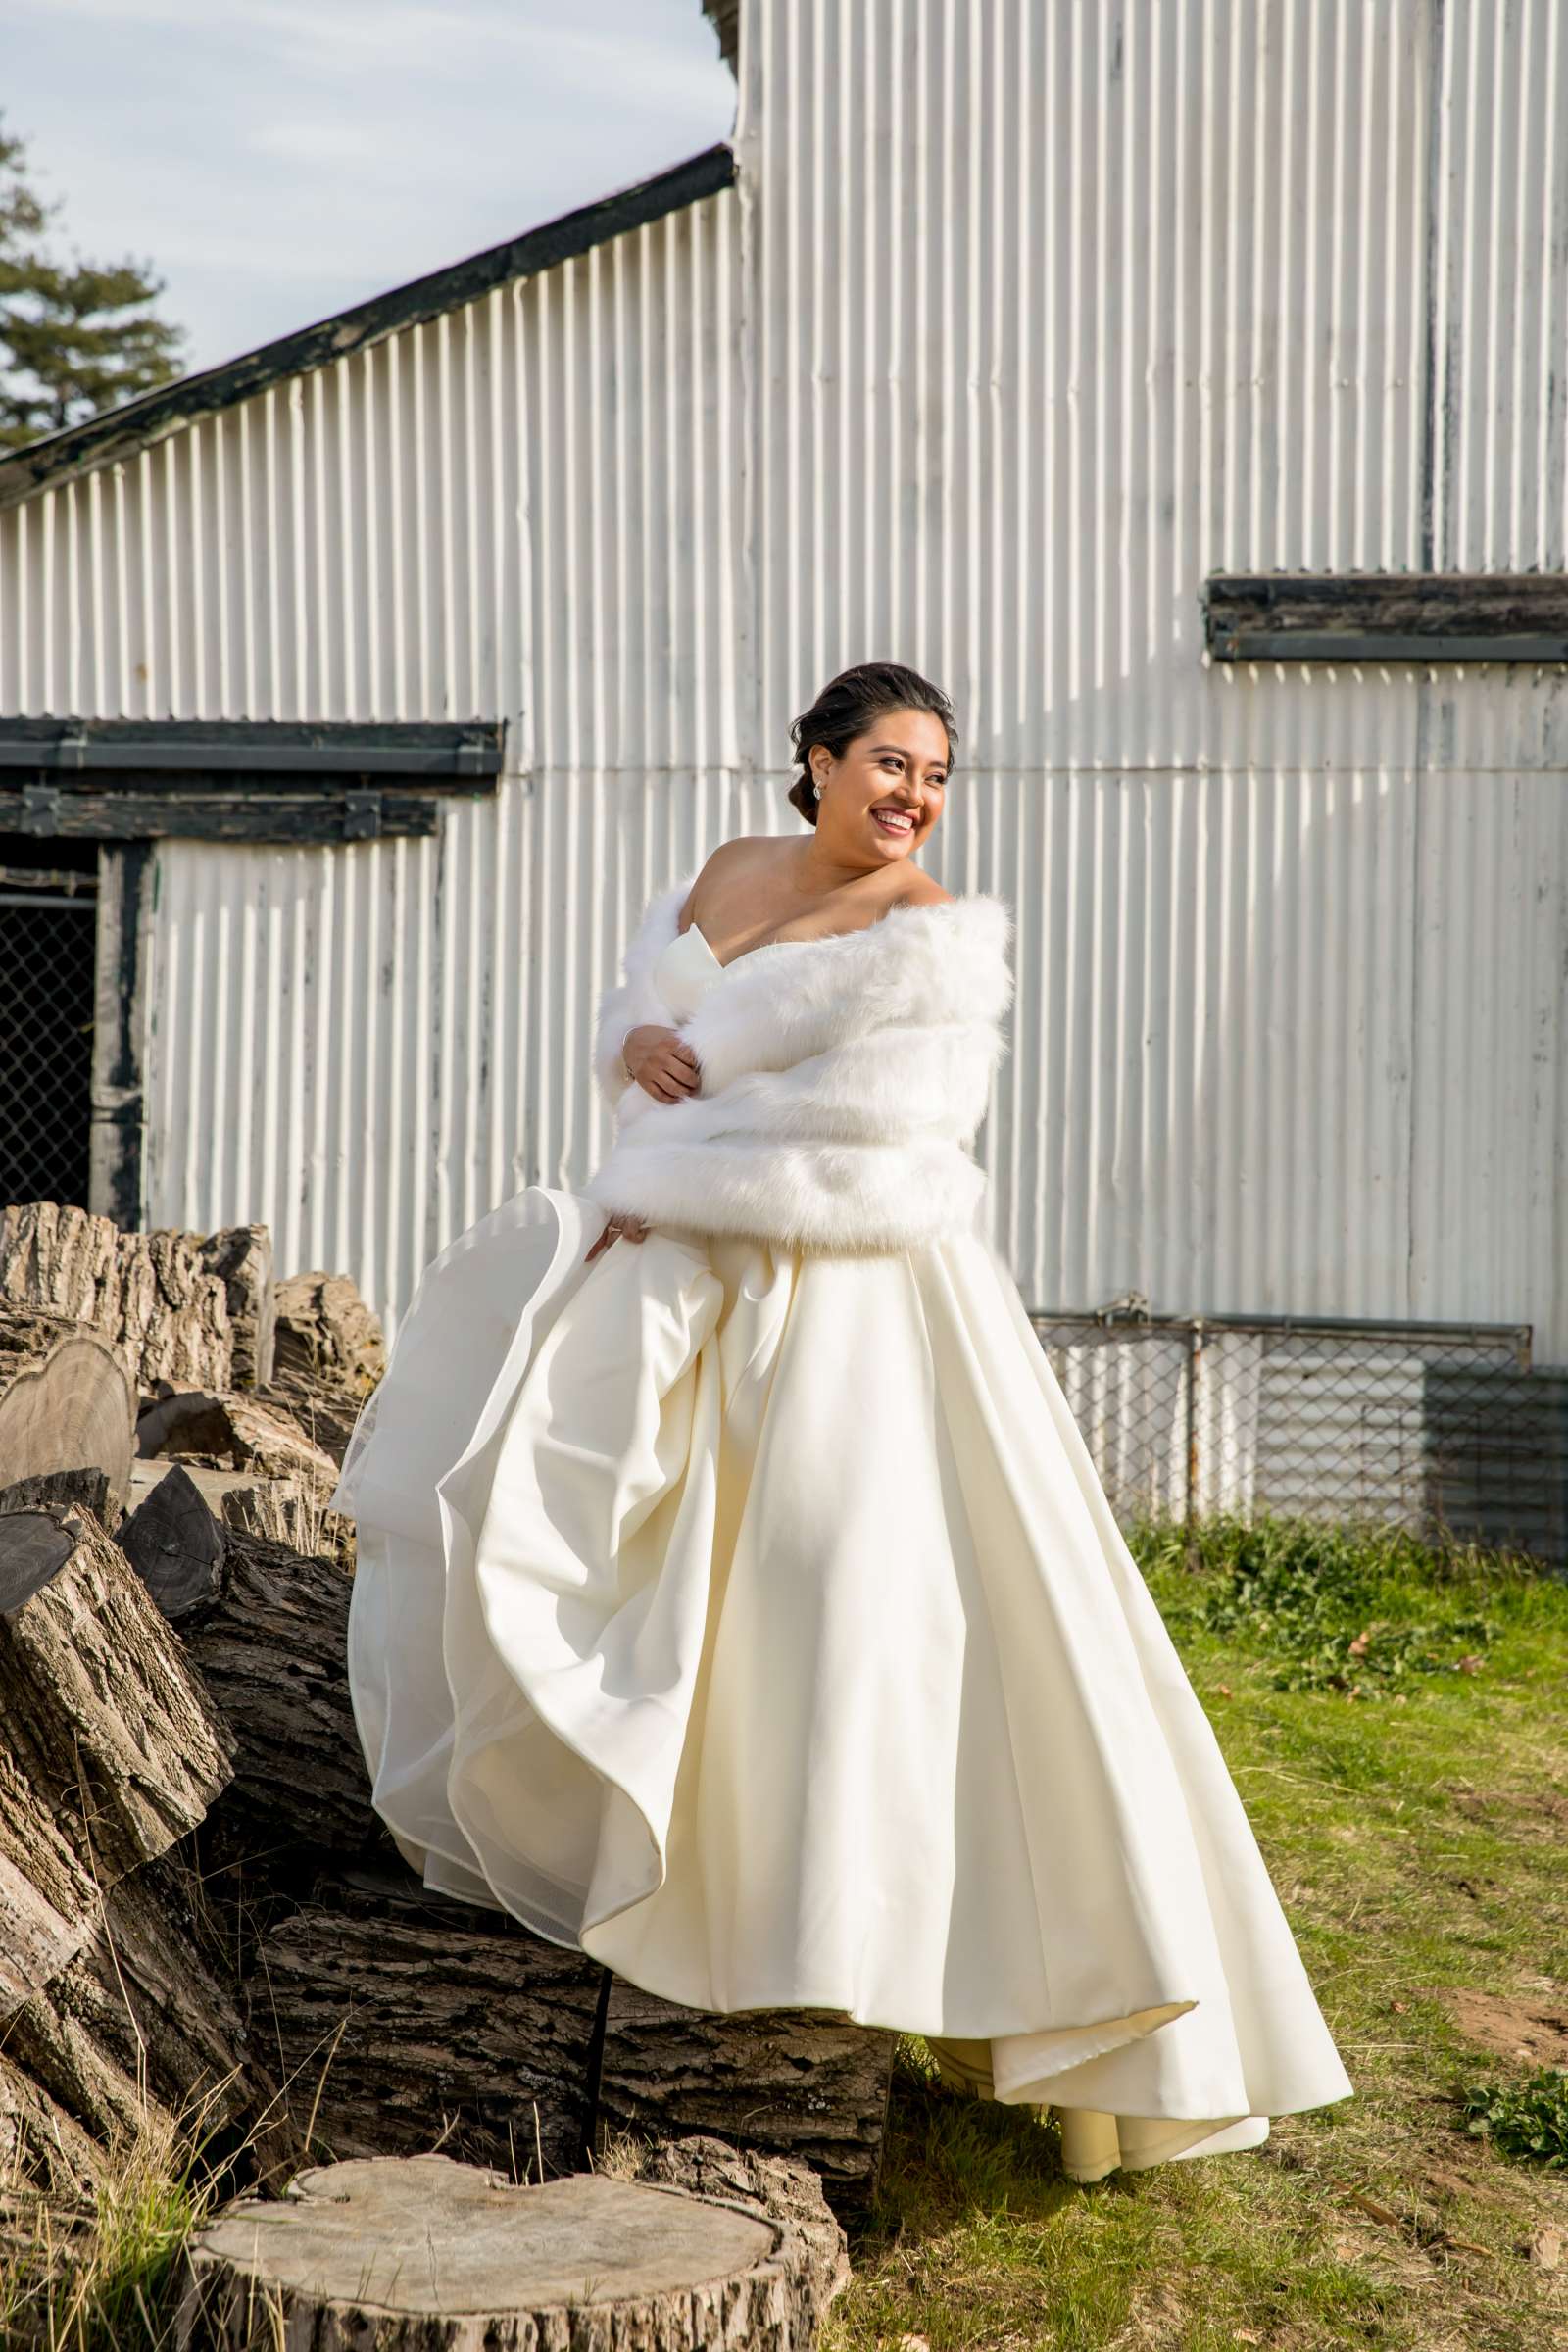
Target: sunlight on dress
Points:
(754, 1621)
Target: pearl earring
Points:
(817, 789)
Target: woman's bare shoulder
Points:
(920, 889)
(719, 862)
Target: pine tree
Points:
(76, 338)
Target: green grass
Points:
(1410, 1796)
(1415, 1820)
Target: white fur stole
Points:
(841, 1083)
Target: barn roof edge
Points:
(137, 424)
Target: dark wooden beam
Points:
(117, 1138)
(441, 753)
(1386, 617)
(248, 813)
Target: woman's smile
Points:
(895, 819)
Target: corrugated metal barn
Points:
(369, 683)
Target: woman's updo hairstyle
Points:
(848, 706)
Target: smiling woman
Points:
(746, 1612)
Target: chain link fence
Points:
(47, 982)
(1443, 1429)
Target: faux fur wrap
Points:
(841, 1081)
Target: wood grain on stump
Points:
(66, 1401)
(422, 2252)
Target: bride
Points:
(736, 1599)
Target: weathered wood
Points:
(45, 2148)
(327, 1336)
(241, 1256)
(151, 1292)
(582, 2262)
(48, 1898)
(331, 1353)
(144, 2020)
(278, 1508)
(87, 1490)
(409, 2019)
(66, 1400)
(34, 1545)
(102, 1714)
(235, 1431)
(801, 2083)
(117, 1136)
(454, 2012)
(175, 1545)
(1389, 616)
(431, 749)
(271, 1652)
(250, 808)
(774, 2188)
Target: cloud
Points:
(276, 162)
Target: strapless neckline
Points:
(697, 930)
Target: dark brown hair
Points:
(846, 706)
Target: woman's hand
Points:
(662, 1063)
(631, 1229)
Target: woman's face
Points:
(882, 799)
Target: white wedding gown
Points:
(756, 1621)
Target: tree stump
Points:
(417, 2252)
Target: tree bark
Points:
(442, 2015)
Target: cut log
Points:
(34, 1545)
(408, 2020)
(143, 2023)
(225, 1430)
(280, 1509)
(67, 1401)
(45, 2148)
(102, 1714)
(426, 2251)
(440, 2014)
(89, 1490)
(271, 1651)
(241, 1256)
(175, 1544)
(773, 2187)
(331, 1353)
(801, 2083)
(153, 1291)
(48, 1899)
(327, 1337)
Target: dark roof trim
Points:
(137, 424)
(210, 746)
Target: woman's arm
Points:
(634, 1005)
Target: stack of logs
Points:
(203, 1923)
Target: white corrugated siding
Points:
(1020, 322)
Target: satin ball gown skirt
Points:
(757, 1623)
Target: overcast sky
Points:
(274, 161)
